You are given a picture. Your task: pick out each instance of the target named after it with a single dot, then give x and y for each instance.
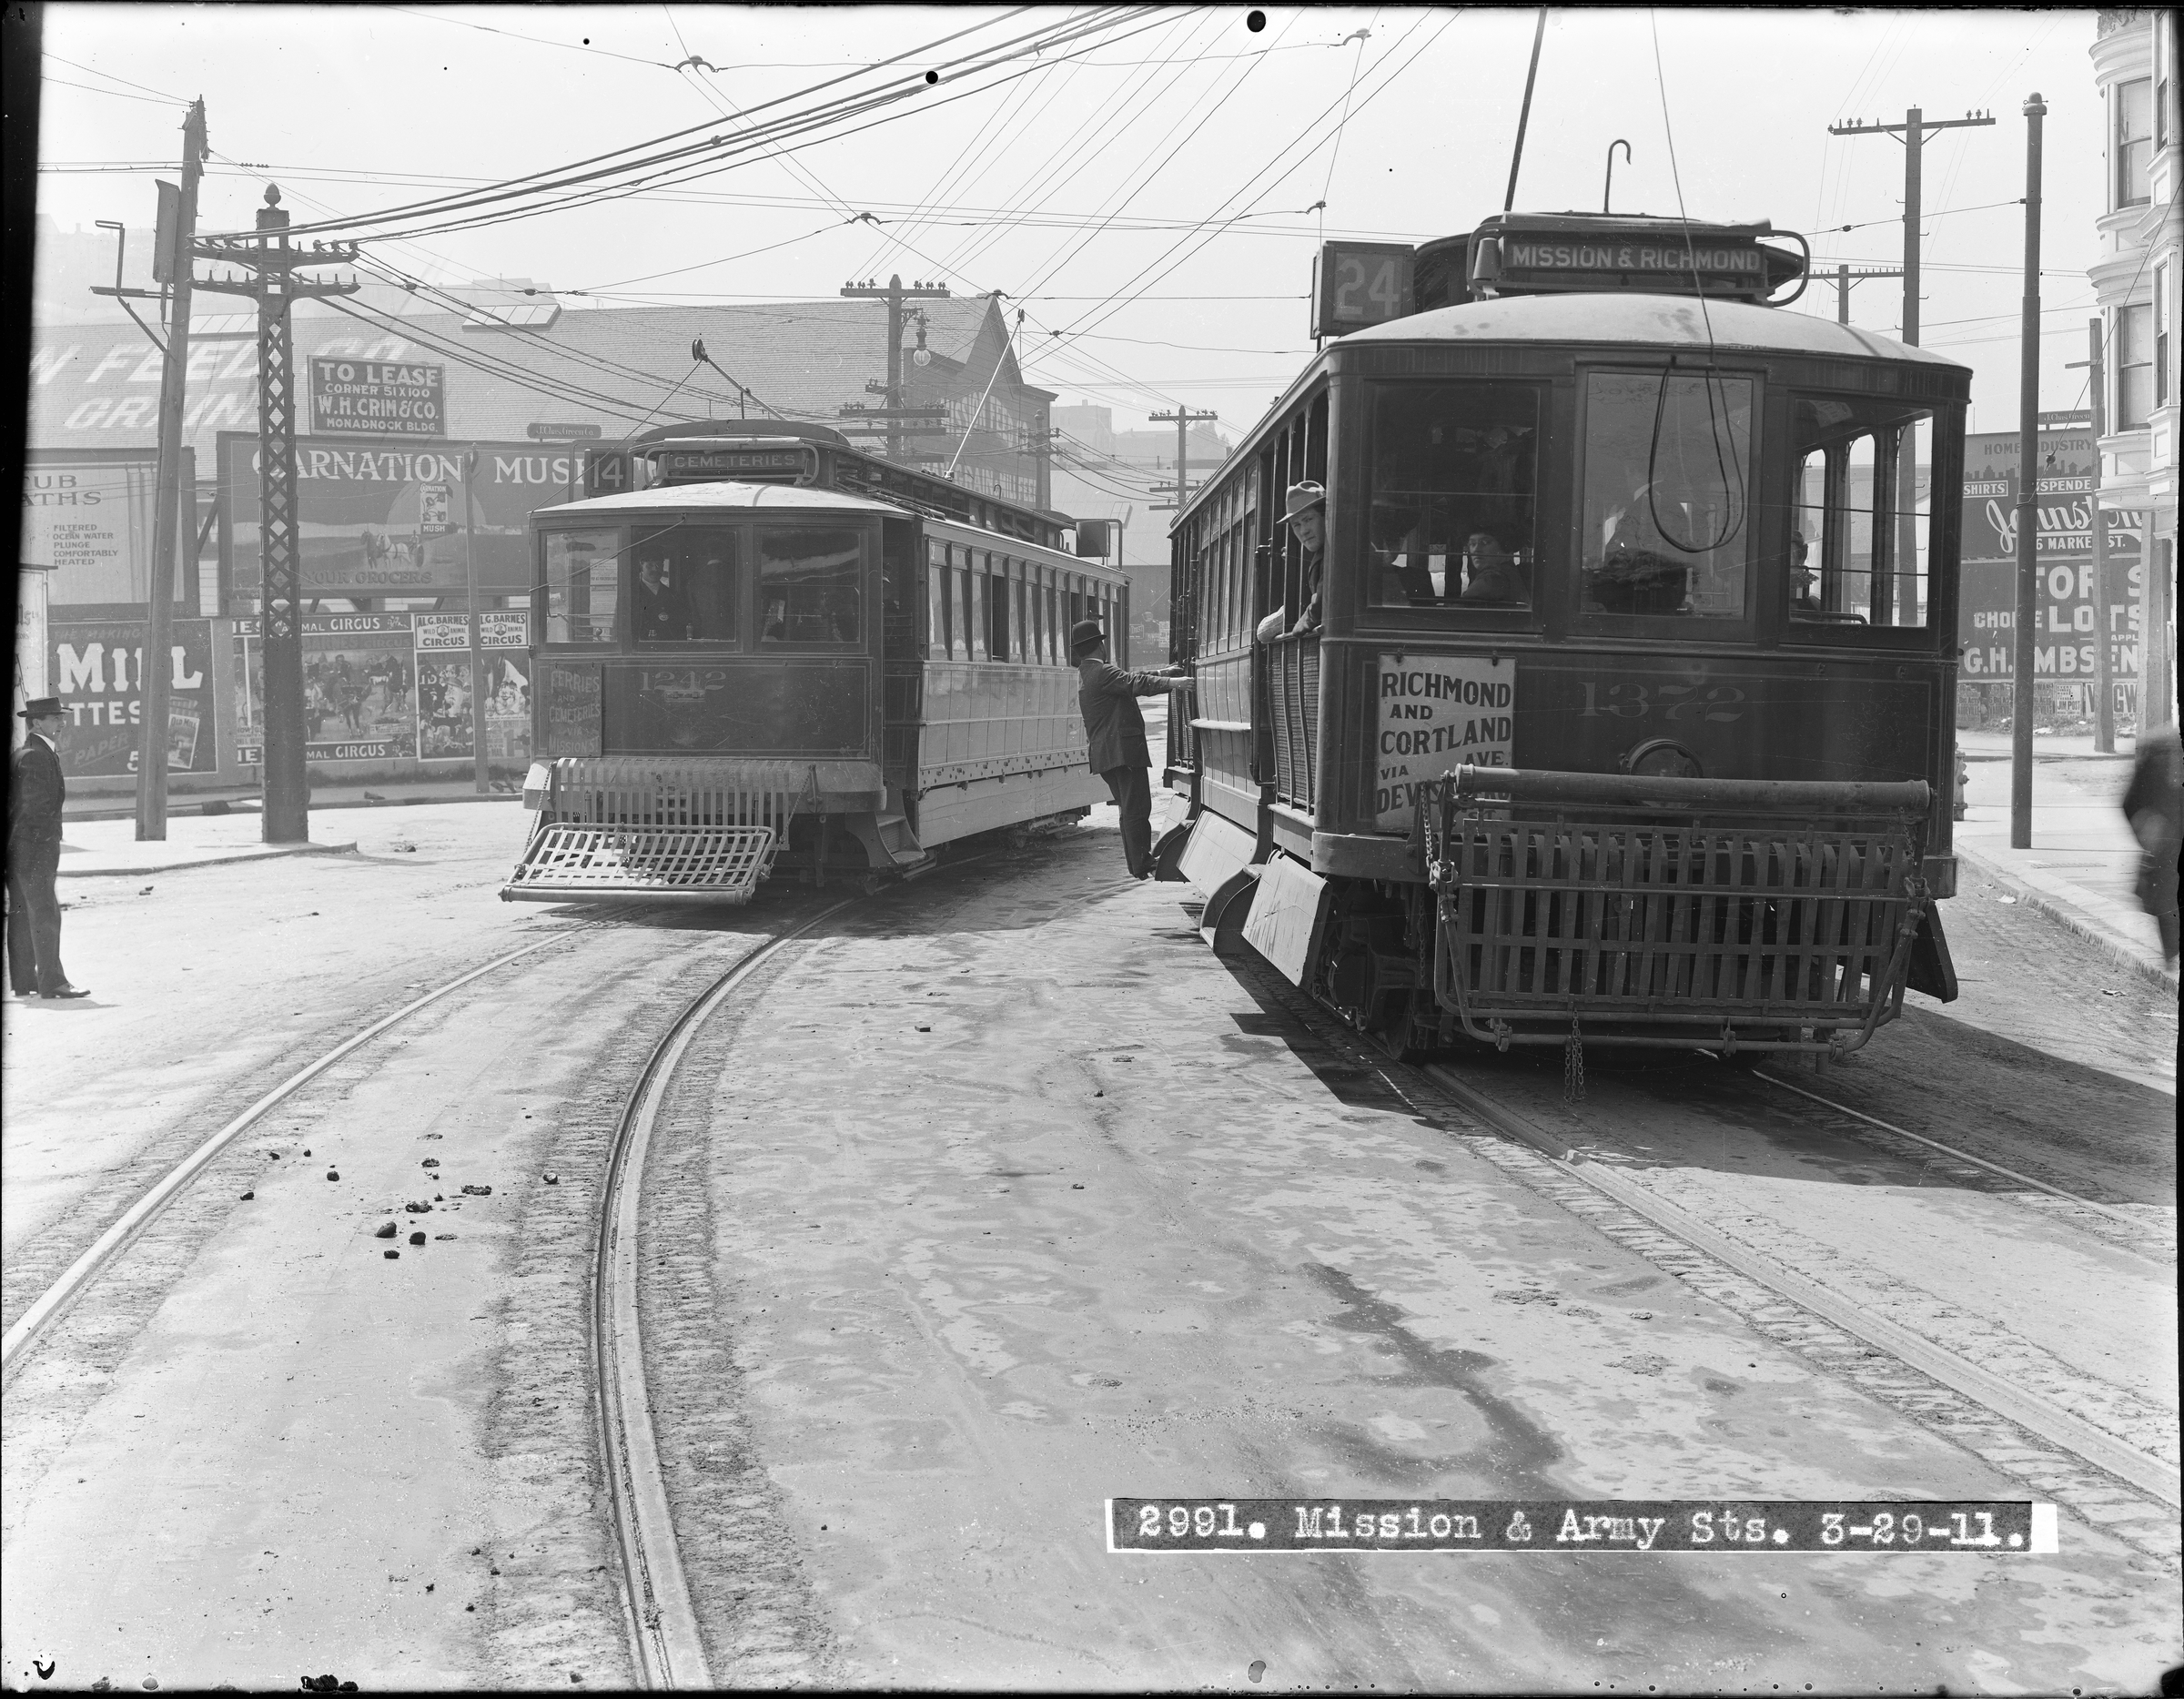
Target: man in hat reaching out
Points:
(34, 857)
(1115, 730)
(1305, 513)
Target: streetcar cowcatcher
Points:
(1754, 914)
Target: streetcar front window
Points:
(684, 587)
(811, 585)
(583, 569)
(1667, 515)
(1860, 513)
(1451, 519)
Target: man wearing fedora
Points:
(34, 857)
(1115, 732)
(1305, 513)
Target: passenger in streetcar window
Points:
(1307, 519)
(1804, 600)
(653, 617)
(1491, 573)
(1398, 545)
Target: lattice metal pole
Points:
(280, 612)
(273, 262)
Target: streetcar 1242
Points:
(1618, 702)
(770, 650)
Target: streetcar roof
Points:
(674, 497)
(1663, 320)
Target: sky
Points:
(1149, 196)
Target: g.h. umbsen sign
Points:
(378, 398)
(2067, 619)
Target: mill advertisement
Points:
(2063, 644)
(97, 668)
(390, 519)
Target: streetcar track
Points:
(121, 1232)
(2058, 1454)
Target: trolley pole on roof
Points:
(2028, 486)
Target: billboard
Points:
(87, 516)
(394, 686)
(97, 668)
(378, 398)
(388, 518)
(2067, 619)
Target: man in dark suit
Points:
(1115, 733)
(34, 857)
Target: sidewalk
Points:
(183, 805)
(2083, 866)
(92, 849)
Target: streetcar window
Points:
(1667, 514)
(937, 601)
(583, 569)
(1861, 514)
(810, 585)
(997, 612)
(684, 587)
(973, 601)
(1451, 519)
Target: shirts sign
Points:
(378, 398)
(1438, 712)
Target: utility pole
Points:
(156, 663)
(1845, 277)
(1184, 419)
(1913, 133)
(2104, 684)
(482, 772)
(2028, 484)
(272, 284)
(894, 295)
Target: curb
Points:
(2073, 919)
(250, 807)
(212, 861)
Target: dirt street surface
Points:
(992, 1198)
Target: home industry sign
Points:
(378, 398)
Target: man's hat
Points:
(1084, 634)
(39, 707)
(1301, 498)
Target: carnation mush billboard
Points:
(2068, 622)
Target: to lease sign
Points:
(378, 398)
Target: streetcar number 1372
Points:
(1719, 702)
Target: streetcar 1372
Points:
(771, 650)
(1616, 702)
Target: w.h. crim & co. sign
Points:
(378, 398)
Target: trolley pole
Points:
(2028, 486)
(2104, 682)
(273, 286)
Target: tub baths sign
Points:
(1438, 712)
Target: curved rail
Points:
(125, 1230)
(663, 1623)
